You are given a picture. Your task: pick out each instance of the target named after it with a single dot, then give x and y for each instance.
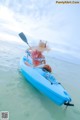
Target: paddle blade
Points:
(23, 37)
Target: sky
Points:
(59, 24)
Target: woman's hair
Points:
(42, 44)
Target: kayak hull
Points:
(35, 76)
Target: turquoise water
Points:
(22, 100)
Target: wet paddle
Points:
(23, 37)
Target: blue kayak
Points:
(45, 82)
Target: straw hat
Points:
(41, 46)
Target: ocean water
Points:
(22, 100)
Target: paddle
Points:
(23, 37)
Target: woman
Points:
(36, 53)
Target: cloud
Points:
(44, 19)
